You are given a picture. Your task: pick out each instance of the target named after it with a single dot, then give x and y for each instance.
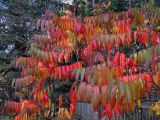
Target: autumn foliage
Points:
(82, 51)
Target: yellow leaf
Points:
(139, 102)
(67, 114)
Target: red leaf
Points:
(82, 90)
(94, 45)
(120, 110)
(45, 98)
(122, 60)
(144, 37)
(148, 80)
(116, 59)
(115, 110)
(109, 111)
(72, 109)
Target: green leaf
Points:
(78, 72)
(140, 85)
(109, 87)
(132, 88)
(113, 96)
(82, 74)
(29, 53)
(120, 89)
(128, 93)
(144, 55)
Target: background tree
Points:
(17, 23)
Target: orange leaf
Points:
(60, 100)
(95, 97)
(18, 117)
(88, 93)
(103, 96)
(82, 90)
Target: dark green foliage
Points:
(19, 18)
(119, 5)
(17, 24)
(157, 3)
(83, 9)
